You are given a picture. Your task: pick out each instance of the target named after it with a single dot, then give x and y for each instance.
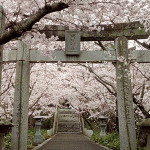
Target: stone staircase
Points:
(68, 121)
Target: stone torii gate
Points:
(23, 55)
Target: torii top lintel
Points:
(133, 31)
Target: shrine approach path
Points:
(71, 142)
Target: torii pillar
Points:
(21, 98)
(127, 132)
(2, 29)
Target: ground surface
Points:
(71, 142)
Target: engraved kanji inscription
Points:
(72, 39)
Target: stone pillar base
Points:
(2, 141)
(37, 140)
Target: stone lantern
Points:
(5, 127)
(145, 126)
(103, 123)
(38, 137)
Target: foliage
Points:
(86, 125)
(47, 123)
(31, 133)
(7, 141)
(141, 148)
(45, 136)
(50, 83)
(111, 140)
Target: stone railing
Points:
(86, 131)
(53, 130)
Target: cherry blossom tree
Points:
(79, 83)
(24, 16)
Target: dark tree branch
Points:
(142, 92)
(113, 91)
(26, 25)
(10, 25)
(82, 94)
(107, 84)
(147, 46)
(36, 4)
(143, 74)
(141, 107)
(101, 45)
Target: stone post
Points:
(127, 132)
(21, 98)
(1, 141)
(2, 30)
(148, 142)
(55, 123)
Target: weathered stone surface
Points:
(68, 121)
(37, 140)
(38, 137)
(85, 56)
(3, 129)
(96, 56)
(66, 111)
(68, 127)
(68, 118)
(2, 30)
(148, 142)
(72, 42)
(21, 98)
(133, 30)
(2, 141)
(124, 97)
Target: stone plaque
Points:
(72, 40)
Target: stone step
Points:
(69, 127)
(68, 118)
(69, 132)
(67, 111)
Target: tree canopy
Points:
(25, 15)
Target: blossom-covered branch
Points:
(26, 25)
